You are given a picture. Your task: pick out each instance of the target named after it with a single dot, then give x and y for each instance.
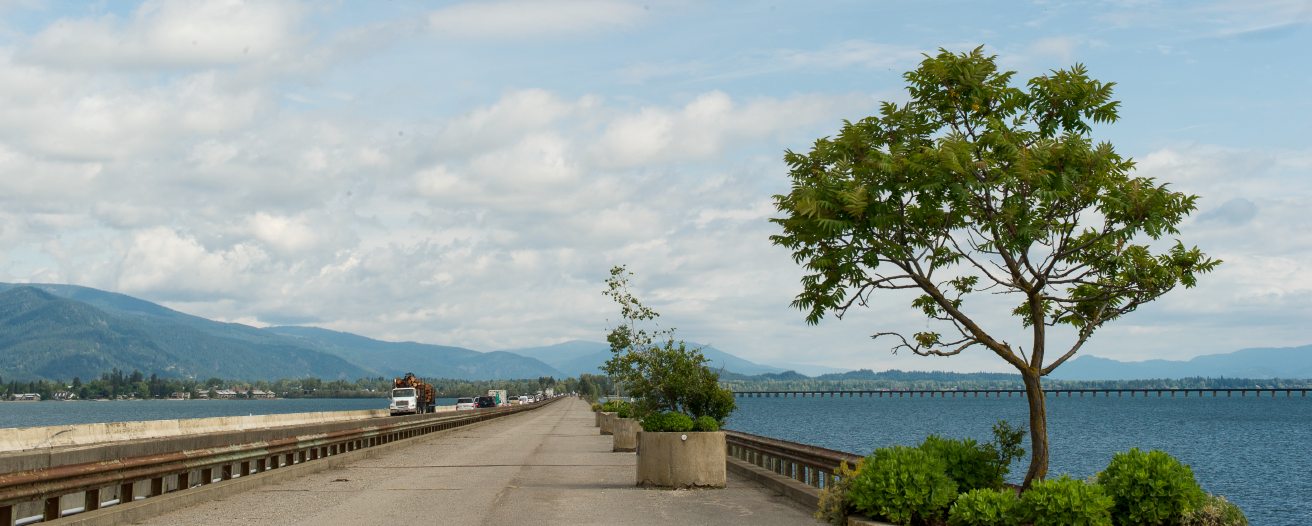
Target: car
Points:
(485, 401)
(514, 400)
(464, 403)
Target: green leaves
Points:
(1001, 188)
(1150, 488)
(904, 485)
(663, 377)
(984, 507)
(1064, 502)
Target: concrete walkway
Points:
(548, 466)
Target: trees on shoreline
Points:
(118, 383)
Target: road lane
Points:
(548, 466)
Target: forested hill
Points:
(44, 336)
(50, 332)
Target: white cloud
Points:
(529, 19)
(173, 34)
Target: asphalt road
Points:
(548, 466)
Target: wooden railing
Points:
(112, 481)
(812, 465)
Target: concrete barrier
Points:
(682, 460)
(25, 438)
(626, 432)
(607, 421)
(597, 414)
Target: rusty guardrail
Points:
(173, 471)
(812, 465)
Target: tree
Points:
(974, 185)
(663, 377)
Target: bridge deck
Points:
(548, 466)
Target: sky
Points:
(467, 173)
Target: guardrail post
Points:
(90, 502)
(245, 468)
(52, 510)
(126, 494)
(157, 486)
(225, 472)
(207, 476)
(261, 465)
(184, 481)
(6, 516)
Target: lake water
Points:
(32, 414)
(1255, 451)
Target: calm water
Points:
(1255, 451)
(32, 414)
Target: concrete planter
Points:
(597, 413)
(626, 434)
(607, 419)
(681, 460)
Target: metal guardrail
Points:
(812, 465)
(182, 470)
(944, 393)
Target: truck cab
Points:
(404, 401)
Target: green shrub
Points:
(903, 485)
(1005, 446)
(1150, 488)
(835, 503)
(984, 507)
(613, 406)
(705, 423)
(969, 465)
(667, 422)
(1064, 502)
(596, 407)
(1214, 511)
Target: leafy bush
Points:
(613, 406)
(835, 504)
(984, 507)
(903, 485)
(970, 466)
(596, 407)
(1214, 511)
(1005, 446)
(664, 377)
(705, 423)
(667, 422)
(1064, 502)
(1150, 488)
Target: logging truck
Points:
(411, 396)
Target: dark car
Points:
(486, 401)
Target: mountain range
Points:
(577, 357)
(61, 331)
(1256, 363)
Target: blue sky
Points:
(466, 173)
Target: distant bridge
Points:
(944, 393)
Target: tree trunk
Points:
(1038, 428)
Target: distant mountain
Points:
(432, 361)
(808, 369)
(897, 375)
(583, 357)
(1257, 363)
(46, 336)
(62, 331)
